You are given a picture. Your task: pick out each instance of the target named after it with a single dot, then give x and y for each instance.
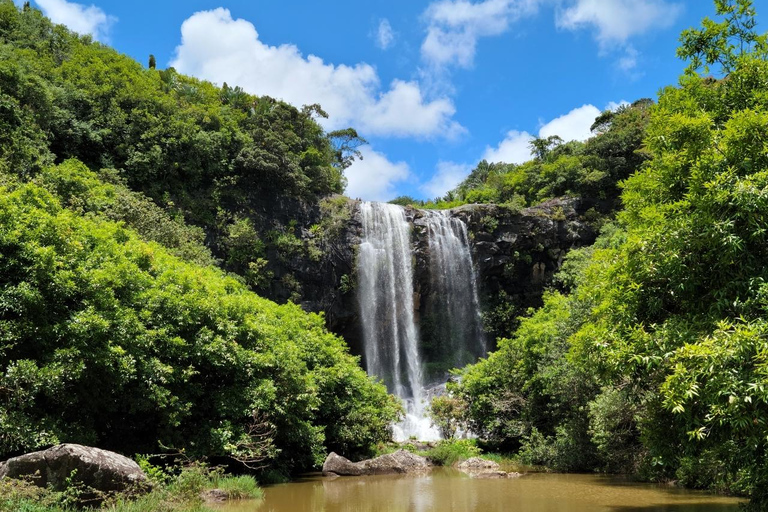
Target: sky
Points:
(434, 86)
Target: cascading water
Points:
(387, 309)
(390, 336)
(453, 306)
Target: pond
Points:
(450, 490)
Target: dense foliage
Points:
(108, 340)
(656, 361)
(591, 170)
(237, 166)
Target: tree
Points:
(346, 143)
(541, 147)
(152, 62)
(725, 42)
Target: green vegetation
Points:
(652, 359)
(110, 341)
(591, 170)
(231, 166)
(453, 451)
(447, 452)
(121, 190)
(181, 491)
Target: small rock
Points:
(214, 496)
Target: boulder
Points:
(475, 463)
(399, 462)
(98, 469)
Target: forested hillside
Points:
(590, 170)
(249, 172)
(120, 188)
(651, 360)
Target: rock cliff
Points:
(515, 254)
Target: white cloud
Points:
(454, 27)
(616, 21)
(628, 62)
(384, 34)
(513, 149)
(373, 177)
(447, 177)
(571, 126)
(614, 105)
(78, 17)
(214, 46)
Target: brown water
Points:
(451, 491)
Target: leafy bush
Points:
(450, 452)
(111, 341)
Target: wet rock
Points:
(101, 470)
(488, 474)
(214, 496)
(399, 462)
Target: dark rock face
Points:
(98, 469)
(399, 462)
(515, 254)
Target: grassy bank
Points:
(179, 491)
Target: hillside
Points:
(120, 189)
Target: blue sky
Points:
(435, 86)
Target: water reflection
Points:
(448, 490)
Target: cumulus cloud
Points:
(513, 149)
(571, 126)
(214, 46)
(78, 17)
(615, 22)
(618, 20)
(447, 176)
(374, 177)
(454, 27)
(384, 34)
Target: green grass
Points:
(242, 487)
(172, 493)
(452, 451)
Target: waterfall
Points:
(453, 307)
(391, 334)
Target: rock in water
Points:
(401, 461)
(475, 463)
(98, 469)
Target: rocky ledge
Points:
(399, 462)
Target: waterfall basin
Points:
(446, 489)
